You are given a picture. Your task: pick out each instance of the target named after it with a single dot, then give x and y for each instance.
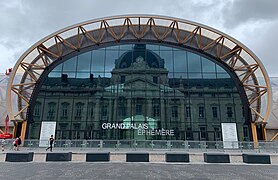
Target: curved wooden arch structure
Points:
(135, 28)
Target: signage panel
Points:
(47, 129)
(229, 134)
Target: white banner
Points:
(229, 134)
(47, 129)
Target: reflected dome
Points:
(138, 54)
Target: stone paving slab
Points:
(134, 171)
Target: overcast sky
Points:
(252, 22)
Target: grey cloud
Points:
(32, 20)
(264, 45)
(238, 12)
(24, 22)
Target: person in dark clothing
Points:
(15, 144)
(18, 143)
(51, 140)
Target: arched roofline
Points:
(158, 29)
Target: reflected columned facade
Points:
(159, 86)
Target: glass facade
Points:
(136, 91)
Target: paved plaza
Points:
(111, 170)
(117, 168)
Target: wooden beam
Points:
(274, 137)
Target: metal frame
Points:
(156, 29)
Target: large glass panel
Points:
(58, 68)
(180, 63)
(219, 69)
(84, 62)
(166, 53)
(208, 66)
(194, 62)
(125, 48)
(111, 56)
(92, 95)
(56, 72)
(70, 65)
(98, 60)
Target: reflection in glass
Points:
(208, 66)
(84, 62)
(98, 60)
(160, 86)
(70, 65)
(82, 75)
(54, 74)
(180, 62)
(58, 68)
(194, 62)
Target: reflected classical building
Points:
(140, 78)
(165, 87)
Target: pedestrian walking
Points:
(16, 144)
(51, 140)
